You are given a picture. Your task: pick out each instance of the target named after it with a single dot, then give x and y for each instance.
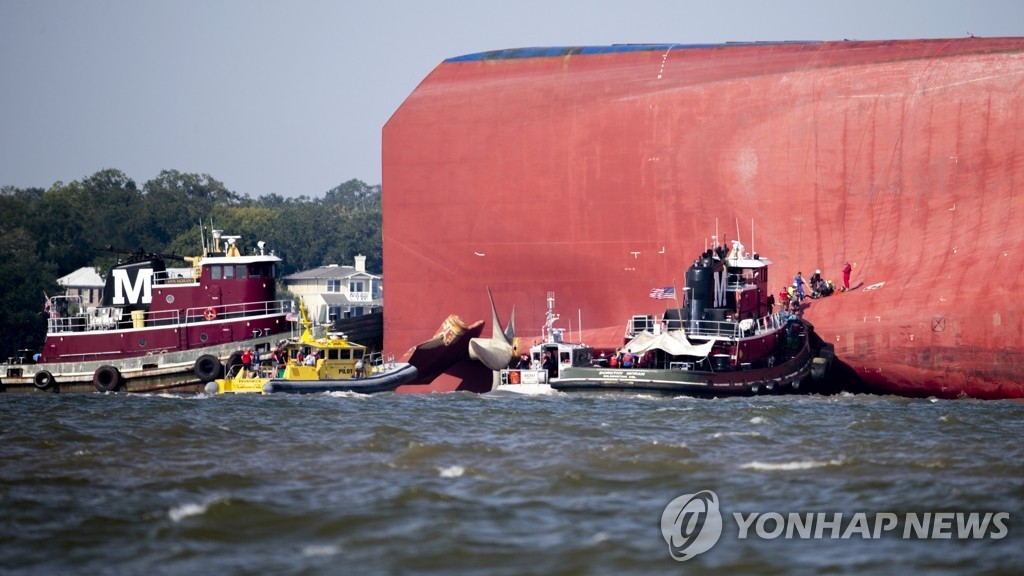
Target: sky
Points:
(290, 98)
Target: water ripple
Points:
(488, 484)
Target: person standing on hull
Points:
(847, 270)
(798, 283)
(815, 278)
(815, 284)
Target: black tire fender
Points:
(107, 379)
(207, 368)
(43, 380)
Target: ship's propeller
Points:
(495, 352)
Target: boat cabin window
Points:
(564, 358)
(345, 354)
(303, 352)
(261, 271)
(241, 271)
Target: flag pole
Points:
(679, 310)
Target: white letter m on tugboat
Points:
(142, 286)
(719, 289)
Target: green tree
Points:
(354, 196)
(116, 214)
(61, 235)
(21, 208)
(84, 217)
(176, 202)
(24, 279)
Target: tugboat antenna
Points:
(549, 324)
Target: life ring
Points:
(107, 379)
(43, 380)
(207, 368)
(210, 313)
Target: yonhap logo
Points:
(691, 524)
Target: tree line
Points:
(46, 234)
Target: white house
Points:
(84, 282)
(334, 291)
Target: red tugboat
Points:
(722, 339)
(158, 329)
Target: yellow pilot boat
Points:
(307, 364)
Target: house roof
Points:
(83, 277)
(326, 272)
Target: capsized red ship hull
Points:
(443, 363)
(598, 172)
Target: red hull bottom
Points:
(907, 381)
(463, 376)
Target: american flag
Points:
(663, 293)
(48, 307)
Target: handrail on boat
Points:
(68, 315)
(724, 329)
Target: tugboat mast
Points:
(549, 333)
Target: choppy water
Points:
(493, 484)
